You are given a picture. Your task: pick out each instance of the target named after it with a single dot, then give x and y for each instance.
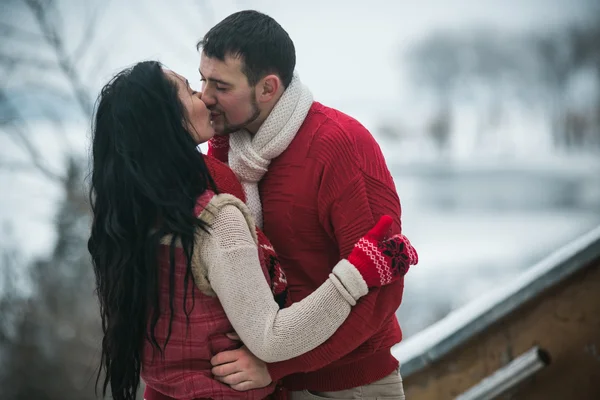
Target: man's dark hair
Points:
(263, 45)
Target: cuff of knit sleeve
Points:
(351, 279)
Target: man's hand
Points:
(240, 369)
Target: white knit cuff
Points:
(352, 280)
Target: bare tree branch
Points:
(34, 155)
(20, 137)
(31, 87)
(9, 69)
(44, 337)
(90, 31)
(49, 21)
(99, 59)
(59, 130)
(17, 166)
(39, 10)
(7, 30)
(27, 62)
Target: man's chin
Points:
(219, 129)
(222, 129)
(226, 131)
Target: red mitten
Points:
(218, 147)
(382, 261)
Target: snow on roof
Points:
(459, 326)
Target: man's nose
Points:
(208, 98)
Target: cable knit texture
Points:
(227, 182)
(319, 197)
(272, 334)
(250, 156)
(226, 263)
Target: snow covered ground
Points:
(426, 339)
(478, 225)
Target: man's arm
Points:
(364, 321)
(356, 190)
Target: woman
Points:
(178, 265)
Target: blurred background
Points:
(488, 113)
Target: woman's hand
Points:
(382, 260)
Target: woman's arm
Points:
(272, 334)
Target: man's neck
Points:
(253, 127)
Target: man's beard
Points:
(230, 128)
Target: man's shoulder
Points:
(333, 127)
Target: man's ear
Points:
(268, 88)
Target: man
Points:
(323, 183)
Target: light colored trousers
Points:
(388, 388)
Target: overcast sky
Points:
(348, 51)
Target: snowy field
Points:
(480, 225)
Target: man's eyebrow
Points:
(215, 80)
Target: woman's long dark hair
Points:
(146, 177)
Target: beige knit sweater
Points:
(226, 263)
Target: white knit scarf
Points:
(250, 156)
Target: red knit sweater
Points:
(324, 192)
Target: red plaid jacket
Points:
(184, 369)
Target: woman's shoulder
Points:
(224, 177)
(213, 203)
(227, 209)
